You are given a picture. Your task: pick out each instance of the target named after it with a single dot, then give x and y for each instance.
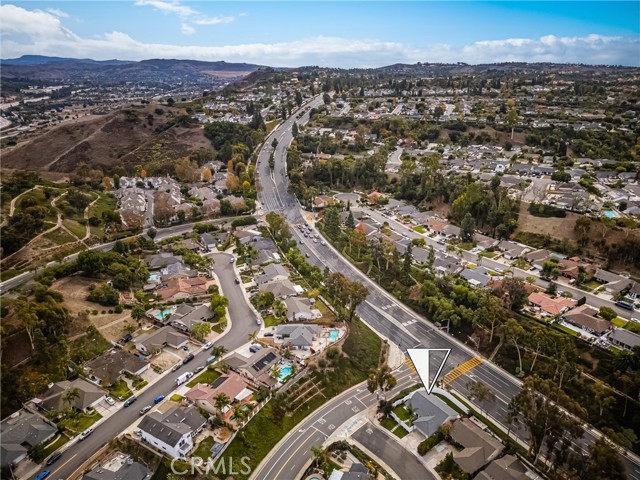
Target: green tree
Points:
(607, 313)
(201, 330)
(480, 392)
(332, 222)
(407, 261)
(381, 378)
(604, 462)
(467, 228)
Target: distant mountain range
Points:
(59, 69)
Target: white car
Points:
(258, 321)
(207, 346)
(231, 260)
(110, 401)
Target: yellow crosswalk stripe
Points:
(410, 364)
(462, 369)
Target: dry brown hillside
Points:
(126, 137)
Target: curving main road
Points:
(381, 310)
(243, 322)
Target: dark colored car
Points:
(129, 401)
(237, 281)
(188, 358)
(54, 457)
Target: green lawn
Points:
(389, 423)
(138, 384)
(175, 398)
(120, 390)
(400, 432)
(204, 449)
(106, 203)
(82, 423)
(219, 327)
(619, 322)
(420, 229)
(208, 376)
(401, 412)
(484, 253)
(271, 321)
(567, 330)
(61, 440)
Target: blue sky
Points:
(343, 34)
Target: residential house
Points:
(584, 318)
(570, 267)
(161, 260)
(431, 412)
(357, 471)
(479, 447)
(301, 309)
(21, 432)
(231, 384)
(446, 264)
(551, 306)
(179, 288)
(108, 367)
(177, 270)
(625, 339)
(322, 201)
(614, 283)
(484, 242)
(450, 231)
(186, 316)
(257, 367)
(89, 395)
(512, 250)
(505, 468)
(280, 289)
(172, 432)
(297, 336)
(477, 277)
(634, 291)
(119, 467)
(537, 257)
(272, 273)
(209, 241)
(153, 342)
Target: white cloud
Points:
(58, 13)
(39, 32)
(187, 29)
(187, 14)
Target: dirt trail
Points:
(46, 167)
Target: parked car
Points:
(42, 474)
(207, 346)
(199, 369)
(86, 433)
(54, 457)
(323, 243)
(129, 401)
(158, 399)
(176, 367)
(110, 401)
(188, 358)
(237, 281)
(258, 321)
(145, 409)
(231, 260)
(254, 348)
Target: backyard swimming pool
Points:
(163, 313)
(154, 277)
(333, 335)
(284, 373)
(610, 214)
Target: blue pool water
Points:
(609, 214)
(163, 314)
(284, 373)
(333, 335)
(154, 277)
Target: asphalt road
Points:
(380, 310)
(403, 462)
(242, 323)
(292, 454)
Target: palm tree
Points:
(381, 378)
(275, 371)
(71, 396)
(218, 351)
(410, 410)
(253, 336)
(239, 413)
(222, 400)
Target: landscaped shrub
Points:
(542, 210)
(428, 443)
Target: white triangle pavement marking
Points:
(421, 360)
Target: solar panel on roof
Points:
(259, 365)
